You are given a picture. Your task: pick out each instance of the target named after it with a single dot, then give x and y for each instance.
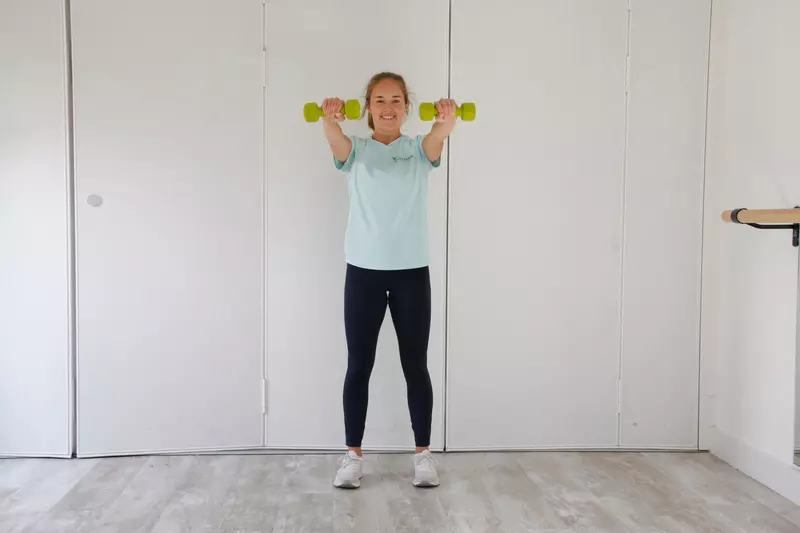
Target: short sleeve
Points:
(344, 166)
(424, 156)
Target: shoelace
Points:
(347, 461)
(426, 461)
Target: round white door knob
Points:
(94, 200)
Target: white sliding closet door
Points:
(317, 49)
(34, 266)
(168, 134)
(663, 223)
(536, 223)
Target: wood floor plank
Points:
(46, 485)
(755, 518)
(88, 499)
(793, 516)
(709, 469)
(17, 522)
(253, 499)
(464, 497)
(641, 481)
(14, 473)
(565, 487)
(519, 502)
(305, 512)
(139, 506)
(198, 503)
(362, 511)
(411, 509)
(608, 490)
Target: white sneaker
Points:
(350, 471)
(425, 474)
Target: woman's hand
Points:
(339, 142)
(446, 110)
(332, 107)
(433, 143)
(445, 118)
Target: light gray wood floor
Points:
(492, 492)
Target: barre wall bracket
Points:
(794, 227)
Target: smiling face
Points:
(387, 105)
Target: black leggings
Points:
(408, 295)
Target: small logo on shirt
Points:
(396, 158)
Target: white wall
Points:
(34, 268)
(750, 279)
(177, 276)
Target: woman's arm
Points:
(433, 143)
(339, 142)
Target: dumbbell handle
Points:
(436, 111)
(322, 113)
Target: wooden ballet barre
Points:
(762, 216)
(767, 219)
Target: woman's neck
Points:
(386, 138)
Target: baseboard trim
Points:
(782, 477)
(13, 455)
(567, 448)
(332, 449)
(250, 450)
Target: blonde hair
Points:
(375, 80)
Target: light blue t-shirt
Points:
(387, 227)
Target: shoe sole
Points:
(350, 485)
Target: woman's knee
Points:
(358, 373)
(416, 371)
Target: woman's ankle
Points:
(356, 450)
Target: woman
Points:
(386, 247)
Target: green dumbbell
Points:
(427, 111)
(313, 112)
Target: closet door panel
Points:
(536, 224)
(317, 49)
(663, 223)
(35, 405)
(169, 184)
